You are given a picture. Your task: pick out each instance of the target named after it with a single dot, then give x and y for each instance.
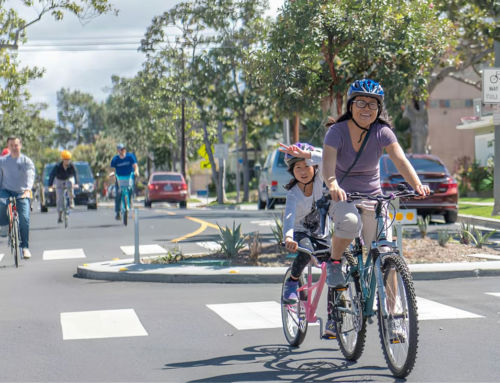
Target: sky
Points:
(74, 58)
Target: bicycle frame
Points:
(125, 188)
(311, 304)
(369, 279)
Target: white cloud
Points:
(90, 71)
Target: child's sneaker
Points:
(330, 330)
(290, 291)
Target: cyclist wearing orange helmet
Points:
(64, 173)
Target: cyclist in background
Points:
(64, 173)
(125, 164)
(18, 175)
(352, 149)
(302, 218)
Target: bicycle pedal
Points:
(328, 337)
(341, 288)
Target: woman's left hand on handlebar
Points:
(423, 190)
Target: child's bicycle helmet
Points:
(366, 87)
(291, 160)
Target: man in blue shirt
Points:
(125, 164)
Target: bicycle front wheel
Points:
(397, 316)
(125, 206)
(293, 315)
(14, 242)
(351, 323)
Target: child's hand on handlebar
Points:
(291, 245)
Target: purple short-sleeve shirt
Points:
(364, 177)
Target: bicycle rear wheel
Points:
(398, 327)
(65, 210)
(351, 323)
(14, 241)
(293, 315)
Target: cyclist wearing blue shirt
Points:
(125, 164)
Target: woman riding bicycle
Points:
(352, 149)
(63, 174)
(301, 218)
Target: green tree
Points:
(80, 118)
(318, 47)
(13, 30)
(470, 45)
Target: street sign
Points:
(491, 85)
(221, 151)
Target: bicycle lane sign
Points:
(491, 85)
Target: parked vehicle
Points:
(432, 172)
(166, 187)
(85, 193)
(273, 176)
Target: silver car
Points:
(272, 178)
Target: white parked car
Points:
(273, 176)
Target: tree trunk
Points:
(221, 190)
(416, 112)
(244, 148)
(296, 128)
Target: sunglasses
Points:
(362, 104)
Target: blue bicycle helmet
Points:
(366, 87)
(291, 160)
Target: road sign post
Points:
(491, 78)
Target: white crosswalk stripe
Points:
(209, 245)
(144, 250)
(101, 324)
(1, 257)
(262, 315)
(50, 255)
(494, 294)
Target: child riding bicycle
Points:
(301, 221)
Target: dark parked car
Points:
(432, 172)
(166, 187)
(85, 193)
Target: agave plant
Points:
(478, 237)
(231, 241)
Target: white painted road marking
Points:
(250, 315)
(210, 246)
(144, 250)
(50, 255)
(428, 310)
(262, 315)
(1, 257)
(494, 294)
(101, 324)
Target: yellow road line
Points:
(201, 229)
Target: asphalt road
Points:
(55, 327)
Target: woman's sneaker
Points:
(330, 330)
(290, 291)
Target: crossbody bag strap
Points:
(357, 156)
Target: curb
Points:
(490, 223)
(126, 270)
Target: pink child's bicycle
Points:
(296, 316)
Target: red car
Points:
(166, 187)
(432, 172)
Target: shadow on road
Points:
(287, 364)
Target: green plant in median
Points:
(464, 233)
(254, 246)
(231, 241)
(172, 256)
(278, 229)
(478, 237)
(443, 237)
(423, 225)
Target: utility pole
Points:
(496, 179)
(183, 139)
